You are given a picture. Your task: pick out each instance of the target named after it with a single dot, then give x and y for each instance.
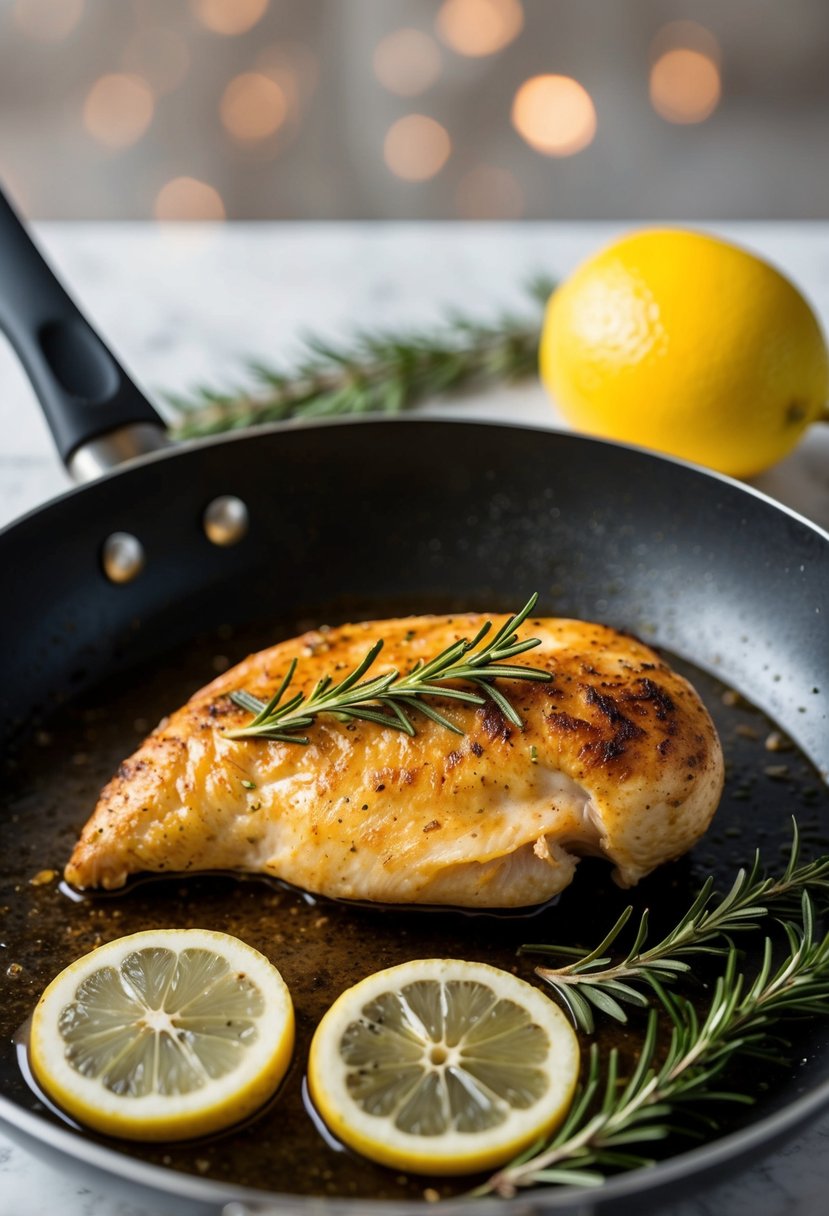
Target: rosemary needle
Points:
(391, 699)
(374, 372)
(613, 1118)
(593, 980)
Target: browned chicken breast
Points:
(617, 757)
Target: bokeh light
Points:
(685, 86)
(186, 198)
(416, 147)
(479, 27)
(488, 192)
(159, 56)
(253, 106)
(294, 67)
(407, 62)
(554, 114)
(47, 20)
(229, 16)
(118, 110)
(688, 34)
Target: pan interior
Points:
(364, 520)
(321, 947)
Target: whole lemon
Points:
(688, 344)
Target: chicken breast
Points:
(617, 757)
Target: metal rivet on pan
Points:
(122, 557)
(226, 520)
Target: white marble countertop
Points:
(182, 305)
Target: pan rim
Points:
(726, 1151)
(449, 420)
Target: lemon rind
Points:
(458, 1152)
(231, 1099)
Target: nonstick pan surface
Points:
(379, 517)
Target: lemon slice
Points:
(164, 1035)
(442, 1066)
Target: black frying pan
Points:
(416, 514)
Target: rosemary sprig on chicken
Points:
(390, 699)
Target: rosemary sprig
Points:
(383, 372)
(595, 981)
(391, 698)
(610, 1118)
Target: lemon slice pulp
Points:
(442, 1066)
(163, 1035)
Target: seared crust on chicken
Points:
(618, 758)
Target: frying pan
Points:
(426, 513)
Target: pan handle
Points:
(97, 416)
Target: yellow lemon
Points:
(163, 1035)
(441, 1066)
(687, 344)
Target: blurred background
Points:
(394, 109)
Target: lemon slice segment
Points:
(164, 1035)
(442, 1066)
